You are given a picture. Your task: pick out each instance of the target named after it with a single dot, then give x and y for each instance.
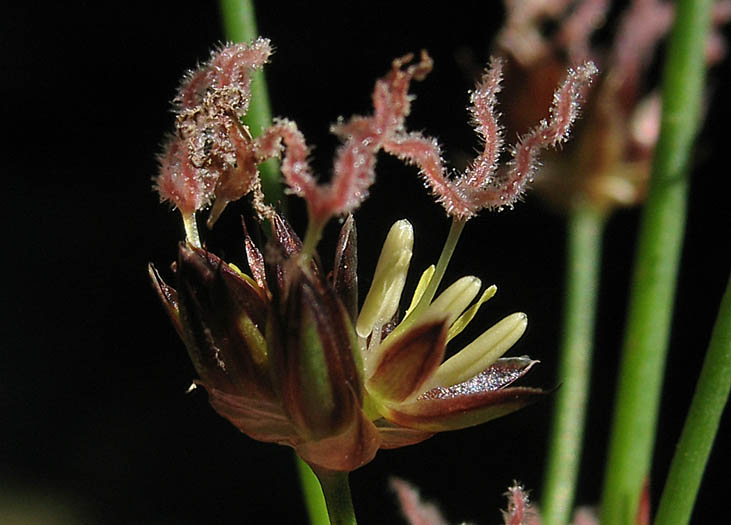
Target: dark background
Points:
(96, 426)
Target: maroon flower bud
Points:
(316, 360)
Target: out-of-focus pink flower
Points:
(415, 510)
(608, 163)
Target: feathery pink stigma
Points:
(230, 66)
(285, 136)
(181, 183)
(355, 159)
(519, 510)
(565, 109)
(484, 118)
(213, 154)
(480, 187)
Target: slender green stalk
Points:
(191, 230)
(239, 25)
(701, 424)
(455, 231)
(655, 272)
(584, 236)
(312, 493)
(337, 496)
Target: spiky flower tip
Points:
(285, 351)
(519, 510)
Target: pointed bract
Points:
(255, 259)
(168, 296)
(345, 268)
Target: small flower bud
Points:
(389, 279)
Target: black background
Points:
(96, 426)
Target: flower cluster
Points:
(285, 352)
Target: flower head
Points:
(282, 358)
(284, 351)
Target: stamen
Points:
(389, 279)
(464, 319)
(375, 340)
(481, 353)
(450, 244)
(454, 300)
(420, 288)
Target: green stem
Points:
(312, 493)
(584, 238)
(337, 496)
(239, 25)
(701, 424)
(655, 272)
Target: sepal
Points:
(352, 448)
(404, 365)
(395, 436)
(458, 411)
(482, 352)
(317, 367)
(257, 417)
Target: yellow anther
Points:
(452, 302)
(482, 352)
(463, 320)
(420, 288)
(389, 278)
